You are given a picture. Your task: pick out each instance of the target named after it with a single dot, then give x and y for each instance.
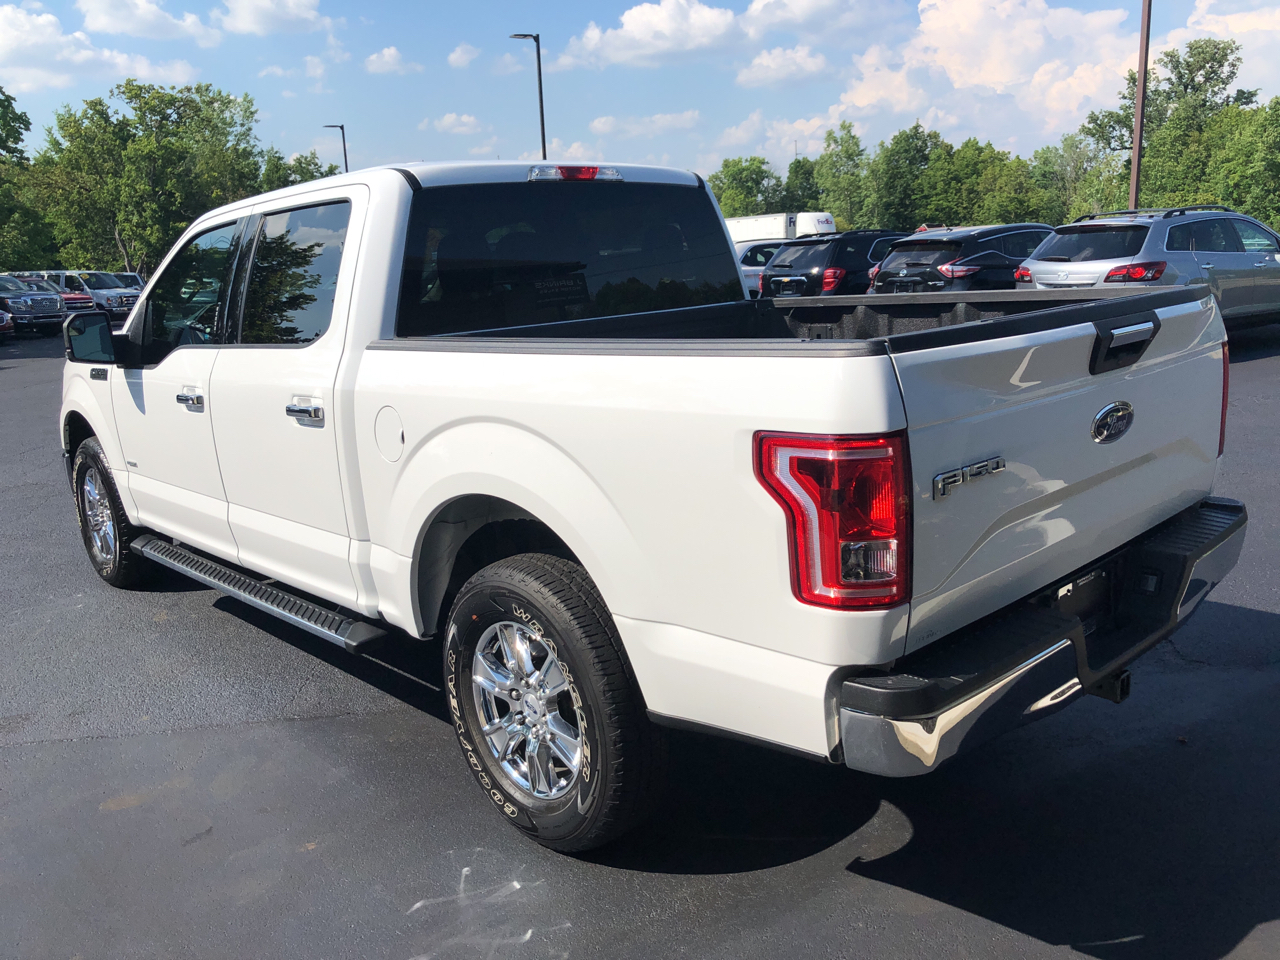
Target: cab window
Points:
(188, 300)
(294, 277)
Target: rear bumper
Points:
(1036, 656)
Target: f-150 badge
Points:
(943, 482)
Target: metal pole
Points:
(1140, 106)
(542, 117)
(346, 168)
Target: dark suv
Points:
(826, 265)
(960, 258)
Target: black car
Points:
(826, 265)
(959, 258)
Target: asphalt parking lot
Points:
(183, 777)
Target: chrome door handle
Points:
(1207, 266)
(1262, 263)
(190, 399)
(314, 414)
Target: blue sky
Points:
(683, 82)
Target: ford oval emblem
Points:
(1112, 422)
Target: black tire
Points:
(113, 560)
(622, 756)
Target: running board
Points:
(355, 636)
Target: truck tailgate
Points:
(1015, 401)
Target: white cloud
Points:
(275, 71)
(652, 126)
(144, 18)
(462, 123)
(765, 16)
(288, 94)
(744, 132)
(1257, 29)
(389, 60)
(315, 67)
(647, 33)
(483, 148)
(263, 17)
(462, 55)
(65, 56)
(576, 152)
(778, 64)
(507, 63)
(880, 83)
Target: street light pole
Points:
(1140, 105)
(341, 127)
(537, 48)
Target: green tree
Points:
(277, 172)
(25, 237)
(746, 187)
(839, 173)
(893, 198)
(801, 190)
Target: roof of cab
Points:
(451, 172)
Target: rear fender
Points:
(539, 480)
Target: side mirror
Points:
(87, 337)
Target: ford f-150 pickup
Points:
(529, 413)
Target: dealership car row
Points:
(39, 301)
(803, 255)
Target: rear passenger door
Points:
(1227, 267)
(275, 417)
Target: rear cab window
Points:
(921, 253)
(493, 255)
(1078, 244)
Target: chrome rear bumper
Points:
(1035, 657)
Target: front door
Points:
(276, 405)
(163, 411)
(1264, 253)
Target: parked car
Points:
(1237, 256)
(958, 258)
(534, 416)
(753, 255)
(73, 301)
(33, 311)
(826, 266)
(103, 287)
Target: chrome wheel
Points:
(98, 517)
(528, 719)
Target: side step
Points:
(355, 636)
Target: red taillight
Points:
(563, 172)
(1226, 390)
(831, 278)
(871, 274)
(848, 507)
(952, 272)
(760, 284)
(1022, 275)
(578, 173)
(1136, 271)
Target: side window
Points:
(72, 283)
(851, 256)
(294, 277)
(991, 244)
(880, 249)
(190, 296)
(1179, 237)
(1255, 239)
(1214, 236)
(1022, 244)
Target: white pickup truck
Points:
(528, 413)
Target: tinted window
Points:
(879, 249)
(758, 256)
(100, 281)
(921, 253)
(494, 255)
(802, 256)
(10, 285)
(72, 282)
(1022, 244)
(1254, 238)
(189, 297)
(289, 297)
(1078, 244)
(1214, 235)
